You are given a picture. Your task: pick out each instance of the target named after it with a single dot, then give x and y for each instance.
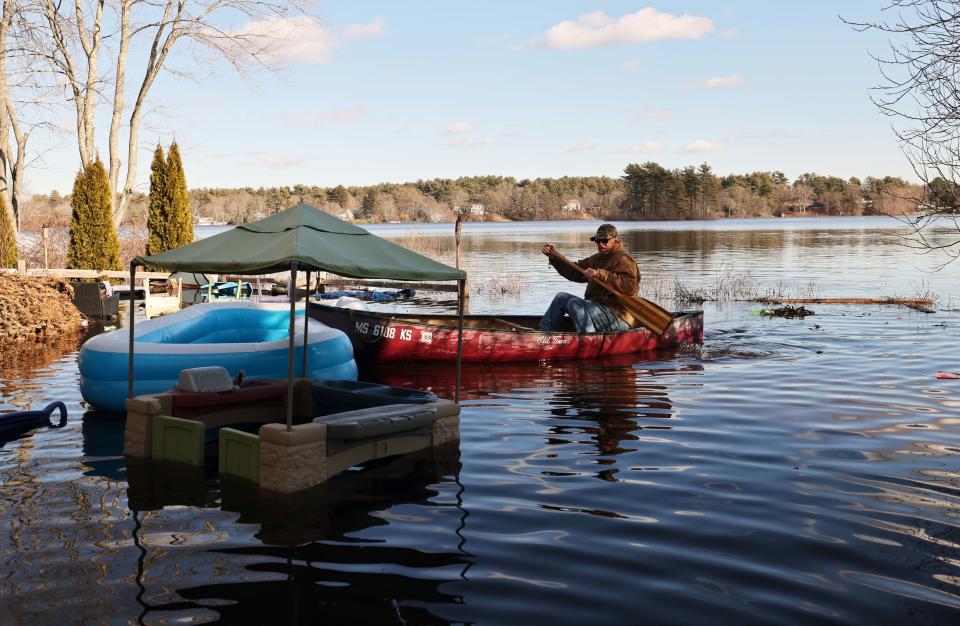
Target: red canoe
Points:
(382, 337)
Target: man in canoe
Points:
(598, 311)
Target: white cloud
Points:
(489, 141)
(459, 128)
(581, 147)
(700, 145)
(598, 29)
(717, 82)
(653, 116)
(372, 29)
(632, 65)
(646, 147)
(730, 32)
(312, 120)
(473, 145)
(302, 39)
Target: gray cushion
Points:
(377, 421)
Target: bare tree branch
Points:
(920, 92)
(161, 25)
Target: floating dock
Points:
(336, 425)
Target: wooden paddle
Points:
(651, 316)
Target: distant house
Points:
(573, 206)
(477, 209)
(346, 216)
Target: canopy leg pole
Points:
(306, 325)
(133, 309)
(461, 288)
(292, 291)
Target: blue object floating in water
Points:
(19, 422)
(376, 296)
(248, 336)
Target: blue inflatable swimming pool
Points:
(248, 336)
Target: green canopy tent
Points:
(301, 237)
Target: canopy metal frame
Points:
(292, 291)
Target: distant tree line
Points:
(646, 191)
(653, 192)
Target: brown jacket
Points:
(617, 269)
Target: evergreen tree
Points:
(371, 204)
(691, 189)
(159, 205)
(708, 188)
(93, 237)
(8, 240)
(339, 194)
(180, 219)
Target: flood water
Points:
(790, 471)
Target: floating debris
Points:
(785, 311)
(920, 304)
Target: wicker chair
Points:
(87, 298)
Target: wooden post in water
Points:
(462, 292)
(456, 238)
(292, 292)
(45, 235)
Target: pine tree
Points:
(93, 238)
(339, 194)
(180, 219)
(159, 208)
(8, 240)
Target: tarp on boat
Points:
(312, 238)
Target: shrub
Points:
(180, 219)
(93, 237)
(159, 205)
(8, 241)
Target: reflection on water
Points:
(604, 400)
(318, 555)
(790, 472)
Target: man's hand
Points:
(548, 249)
(589, 273)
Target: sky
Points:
(387, 91)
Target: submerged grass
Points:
(436, 248)
(731, 286)
(501, 285)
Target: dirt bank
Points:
(36, 309)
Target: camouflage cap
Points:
(606, 231)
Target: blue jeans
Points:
(587, 317)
